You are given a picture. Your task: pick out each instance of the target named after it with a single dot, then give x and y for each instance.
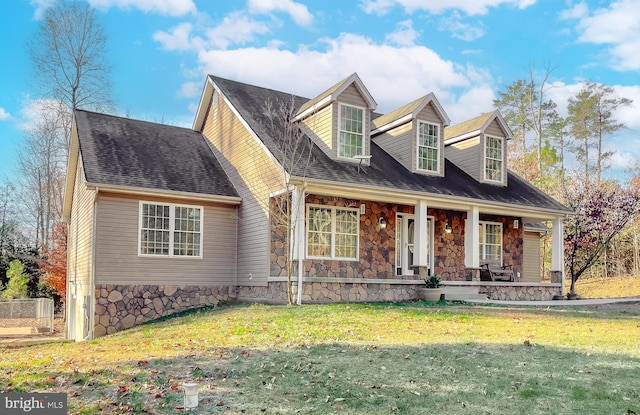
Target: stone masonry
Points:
(119, 307)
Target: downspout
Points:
(235, 271)
(300, 241)
(92, 276)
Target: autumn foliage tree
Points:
(601, 212)
(54, 262)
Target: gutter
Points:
(141, 191)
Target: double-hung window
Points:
(332, 232)
(428, 147)
(491, 242)
(350, 131)
(168, 229)
(493, 159)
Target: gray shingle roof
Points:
(384, 171)
(124, 152)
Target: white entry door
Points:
(405, 233)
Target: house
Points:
(163, 218)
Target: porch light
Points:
(447, 228)
(382, 223)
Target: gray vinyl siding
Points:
(398, 142)
(81, 230)
(118, 262)
(254, 175)
(531, 257)
(467, 155)
(494, 129)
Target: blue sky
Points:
(464, 51)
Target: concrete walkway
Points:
(559, 303)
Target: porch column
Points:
(557, 248)
(298, 234)
(420, 252)
(472, 238)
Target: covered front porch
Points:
(397, 242)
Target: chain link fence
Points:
(28, 312)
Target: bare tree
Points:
(69, 57)
(69, 62)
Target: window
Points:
(332, 232)
(428, 147)
(493, 159)
(350, 128)
(491, 241)
(170, 230)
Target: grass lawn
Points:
(351, 359)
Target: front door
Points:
(405, 232)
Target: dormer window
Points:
(493, 159)
(428, 147)
(350, 131)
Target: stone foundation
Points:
(520, 292)
(119, 307)
(331, 292)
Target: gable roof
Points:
(384, 172)
(408, 112)
(129, 153)
(474, 127)
(332, 94)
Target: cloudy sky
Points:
(464, 51)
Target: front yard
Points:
(351, 359)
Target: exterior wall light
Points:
(382, 223)
(447, 228)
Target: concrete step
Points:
(453, 293)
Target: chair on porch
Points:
(491, 271)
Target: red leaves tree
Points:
(54, 261)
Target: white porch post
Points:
(472, 238)
(298, 234)
(557, 248)
(420, 252)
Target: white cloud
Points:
(393, 75)
(406, 35)
(460, 30)
(163, 7)
(34, 111)
(617, 26)
(471, 8)
(4, 115)
(41, 7)
(190, 90)
(236, 28)
(298, 12)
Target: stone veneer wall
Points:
(119, 307)
(330, 292)
(520, 293)
(448, 248)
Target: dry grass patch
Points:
(609, 287)
(350, 358)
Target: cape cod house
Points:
(163, 218)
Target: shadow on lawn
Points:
(349, 378)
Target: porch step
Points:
(452, 293)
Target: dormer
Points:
(339, 120)
(479, 147)
(414, 135)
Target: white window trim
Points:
(418, 148)
(483, 224)
(484, 159)
(364, 130)
(172, 214)
(333, 233)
